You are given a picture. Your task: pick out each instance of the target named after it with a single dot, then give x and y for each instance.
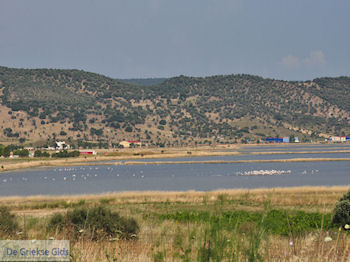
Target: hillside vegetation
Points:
(44, 104)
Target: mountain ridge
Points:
(44, 104)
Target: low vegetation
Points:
(8, 223)
(96, 223)
(341, 216)
(65, 153)
(238, 225)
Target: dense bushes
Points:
(38, 153)
(21, 153)
(341, 214)
(97, 223)
(8, 223)
(6, 150)
(65, 153)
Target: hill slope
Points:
(41, 104)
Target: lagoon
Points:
(170, 177)
(108, 177)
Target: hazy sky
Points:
(283, 39)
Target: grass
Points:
(283, 224)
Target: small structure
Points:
(62, 145)
(135, 142)
(129, 143)
(274, 140)
(125, 144)
(88, 152)
(339, 139)
(49, 148)
(285, 139)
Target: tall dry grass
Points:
(172, 240)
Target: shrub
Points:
(341, 214)
(346, 196)
(65, 153)
(8, 223)
(97, 223)
(37, 153)
(63, 133)
(21, 153)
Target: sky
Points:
(281, 39)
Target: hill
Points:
(47, 104)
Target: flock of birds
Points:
(72, 174)
(273, 172)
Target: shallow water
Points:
(250, 157)
(175, 177)
(179, 177)
(296, 147)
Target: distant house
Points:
(60, 145)
(128, 144)
(125, 144)
(339, 139)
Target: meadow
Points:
(283, 224)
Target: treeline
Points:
(5, 151)
(61, 154)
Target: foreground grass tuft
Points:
(96, 223)
(8, 223)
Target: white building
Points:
(60, 145)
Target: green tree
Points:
(7, 151)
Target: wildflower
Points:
(291, 243)
(327, 239)
(347, 227)
(81, 230)
(51, 238)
